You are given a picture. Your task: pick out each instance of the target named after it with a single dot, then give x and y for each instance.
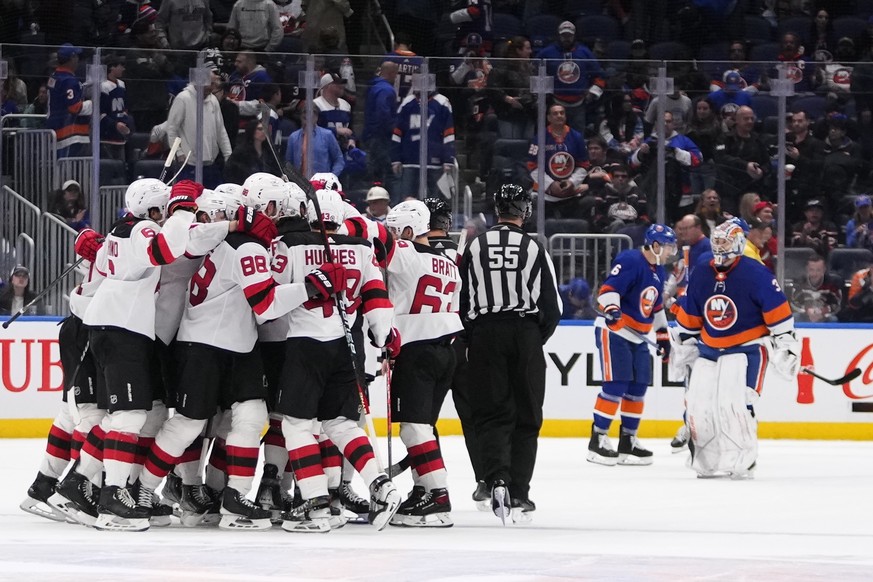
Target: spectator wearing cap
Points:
(334, 112)
(576, 296)
(69, 203)
(380, 117)
(473, 17)
(859, 229)
(378, 203)
(115, 122)
(18, 294)
(842, 160)
(815, 232)
(258, 24)
(731, 94)
(147, 71)
(184, 24)
(743, 160)
(763, 211)
(806, 153)
(579, 79)
(69, 113)
(131, 13)
(215, 144)
(325, 150)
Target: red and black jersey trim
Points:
(375, 296)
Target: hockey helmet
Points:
(331, 205)
(666, 239)
(513, 200)
(327, 181)
(296, 203)
(232, 193)
(260, 189)
(144, 194)
(214, 205)
(410, 213)
(440, 213)
(728, 242)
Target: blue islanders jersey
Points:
(640, 288)
(738, 306)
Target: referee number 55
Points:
(503, 257)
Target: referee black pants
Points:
(507, 386)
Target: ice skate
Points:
(339, 515)
(37, 498)
(76, 498)
(680, 441)
(269, 495)
(213, 516)
(171, 494)
(194, 505)
(425, 509)
(500, 503)
(600, 449)
(522, 510)
(147, 499)
(239, 513)
(746, 475)
(118, 511)
(384, 502)
(312, 516)
(354, 503)
(482, 496)
(417, 493)
(631, 452)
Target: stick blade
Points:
(850, 376)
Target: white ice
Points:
(806, 516)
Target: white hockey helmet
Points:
(144, 194)
(331, 182)
(232, 193)
(215, 206)
(331, 205)
(296, 200)
(262, 188)
(409, 213)
(728, 242)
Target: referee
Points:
(510, 306)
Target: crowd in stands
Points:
(601, 127)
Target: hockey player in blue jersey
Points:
(733, 320)
(631, 303)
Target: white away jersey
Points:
(424, 286)
(232, 291)
(298, 254)
(83, 293)
(131, 260)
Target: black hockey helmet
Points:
(440, 214)
(513, 200)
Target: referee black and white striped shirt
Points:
(505, 271)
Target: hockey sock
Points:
(188, 464)
(632, 407)
(305, 456)
(89, 417)
(91, 456)
(355, 445)
(275, 452)
(119, 446)
(168, 446)
(76, 444)
(424, 455)
(57, 450)
(607, 403)
(244, 443)
(331, 461)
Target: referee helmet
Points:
(513, 200)
(440, 213)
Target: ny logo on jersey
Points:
(721, 312)
(648, 299)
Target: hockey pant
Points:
(724, 430)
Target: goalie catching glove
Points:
(325, 281)
(785, 354)
(88, 242)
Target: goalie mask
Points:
(145, 194)
(513, 200)
(260, 189)
(728, 243)
(332, 209)
(411, 213)
(440, 214)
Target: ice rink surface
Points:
(806, 516)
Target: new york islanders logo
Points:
(721, 312)
(569, 72)
(648, 299)
(561, 165)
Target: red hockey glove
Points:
(181, 203)
(88, 242)
(326, 280)
(186, 188)
(256, 224)
(612, 315)
(663, 338)
(392, 343)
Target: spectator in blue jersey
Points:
(731, 94)
(69, 204)
(859, 229)
(251, 155)
(326, 153)
(408, 63)
(405, 160)
(576, 296)
(579, 79)
(566, 166)
(379, 120)
(246, 82)
(69, 112)
(334, 112)
(750, 74)
(115, 123)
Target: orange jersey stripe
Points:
(632, 406)
(692, 322)
(605, 357)
(729, 341)
(777, 314)
(605, 407)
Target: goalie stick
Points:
(851, 375)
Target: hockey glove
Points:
(187, 188)
(662, 336)
(326, 280)
(256, 224)
(612, 315)
(181, 203)
(392, 343)
(784, 357)
(88, 242)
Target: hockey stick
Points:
(44, 292)
(265, 121)
(386, 371)
(182, 167)
(658, 349)
(854, 373)
(177, 143)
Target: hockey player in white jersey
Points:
(233, 289)
(424, 286)
(318, 380)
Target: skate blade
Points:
(160, 521)
(357, 518)
(191, 519)
(109, 522)
(308, 526)
(236, 522)
(499, 504)
(521, 517)
(632, 461)
(42, 509)
(392, 504)
(675, 450)
(85, 519)
(601, 460)
(442, 519)
(742, 476)
(211, 519)
(65, 507)
(712, 475)
(337, 521)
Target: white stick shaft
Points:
(177, 143)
